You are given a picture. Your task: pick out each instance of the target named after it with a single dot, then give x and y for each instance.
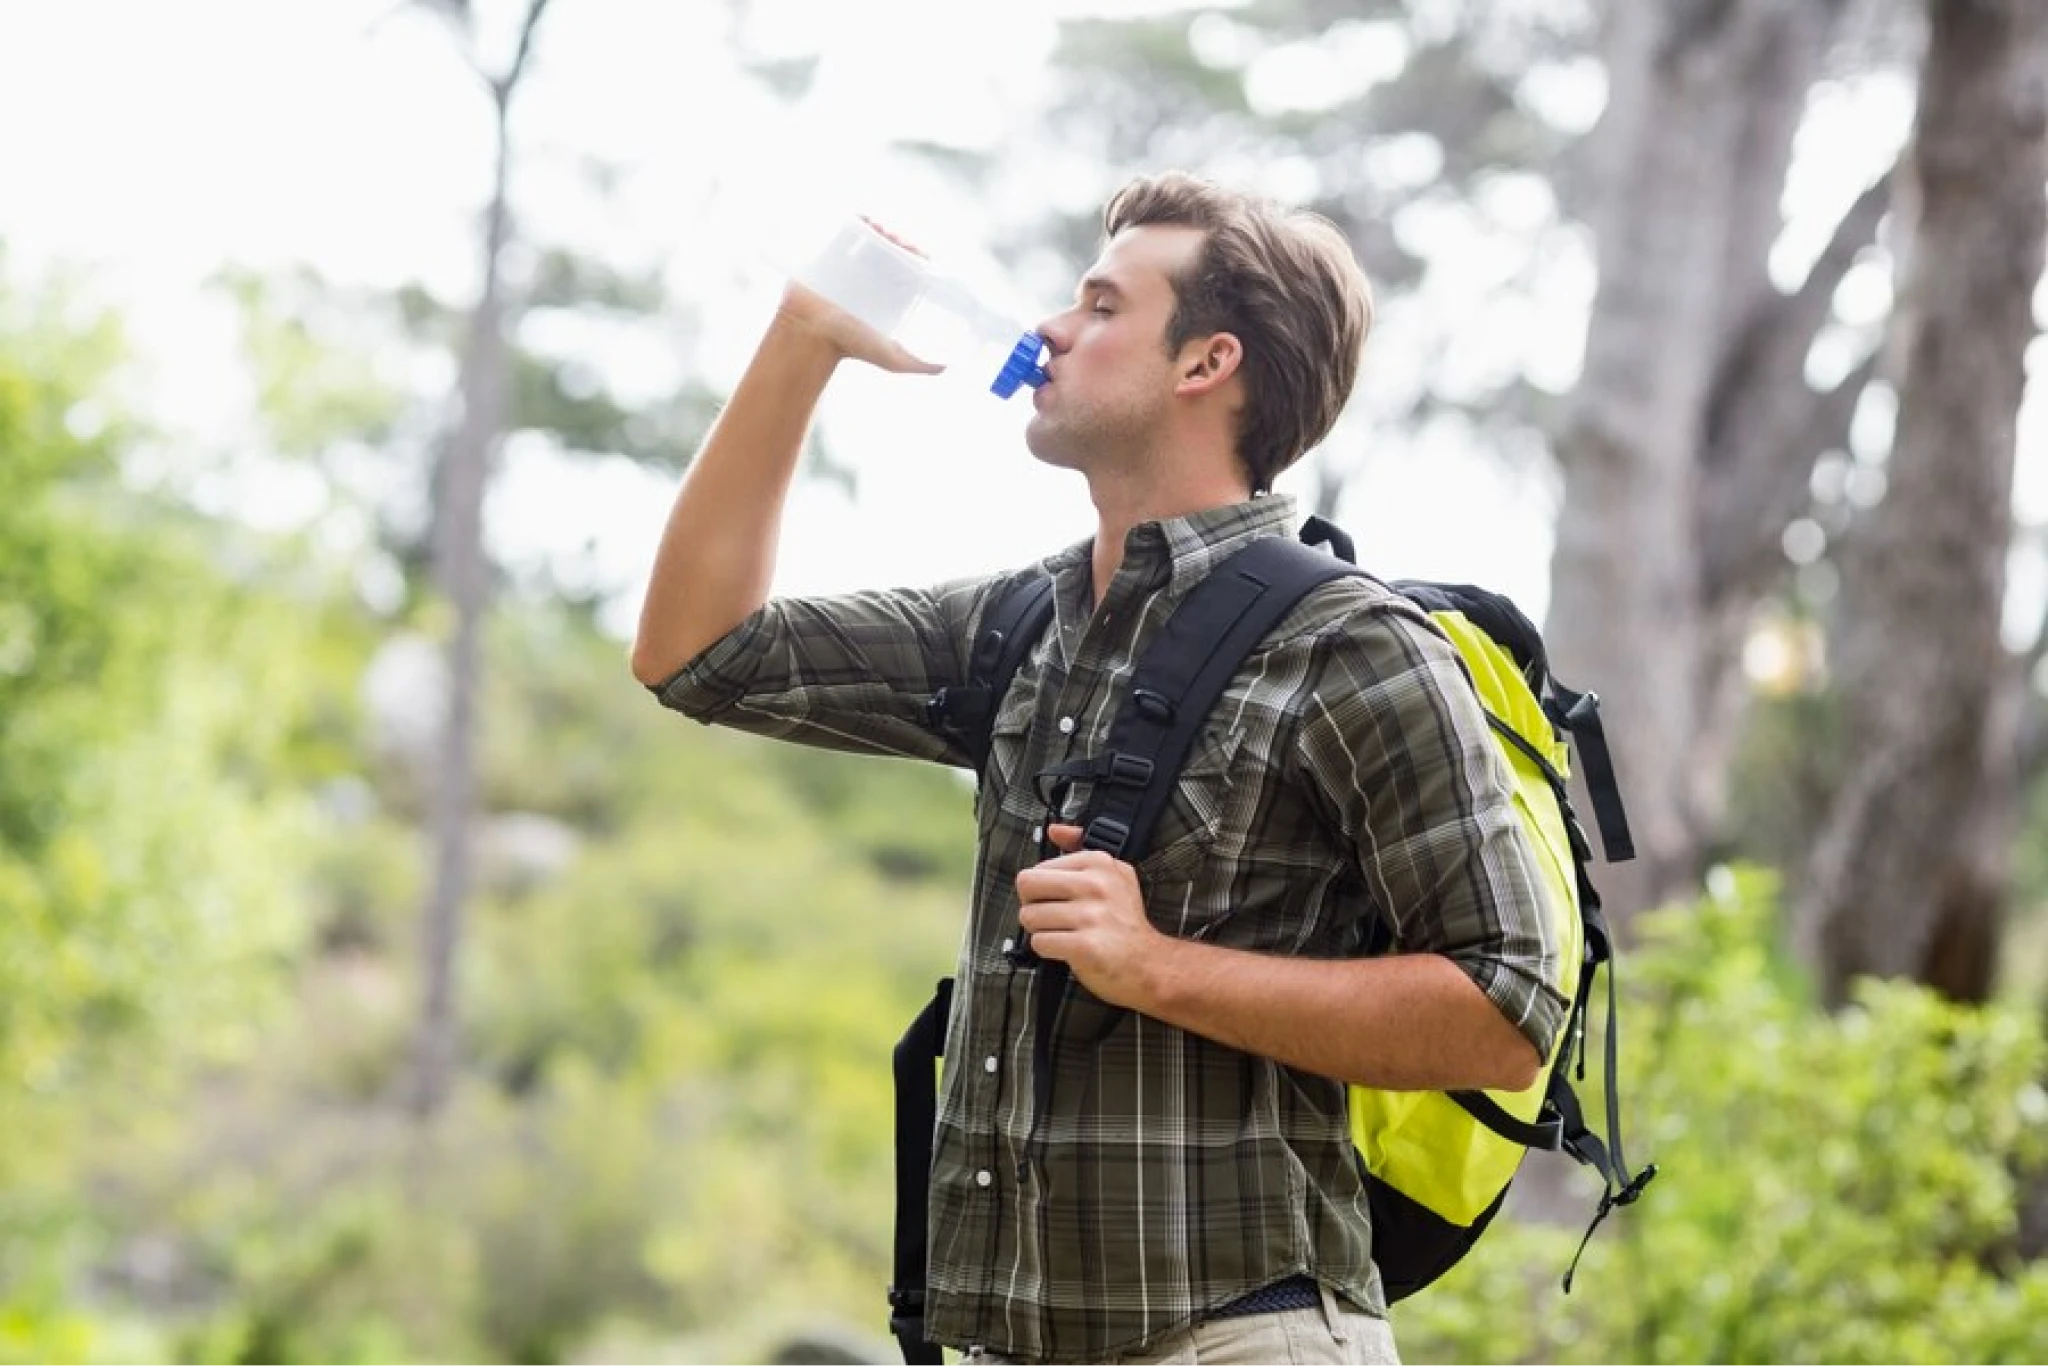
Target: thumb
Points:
(1065, 838)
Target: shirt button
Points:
(1038, 834)
(982, 1178)
(989, 1063)
(1066, 725)
(1008, 945)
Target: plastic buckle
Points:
(1586, 708)
(1130, 770)
(1633, 1191)
(987, 651)
(1153, 706)
(1107, 835)
(957, 708)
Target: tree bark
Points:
(463, 573)
(1690, 161)
(1919, 656)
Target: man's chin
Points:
(1046, 446)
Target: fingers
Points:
(847, 334)
(1058, 946)
(904, 243)
(1062, 922)
(901, 361)
(1049, 883)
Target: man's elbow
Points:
(651, 665)
(1517, 1065)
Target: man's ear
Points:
(1207, 363)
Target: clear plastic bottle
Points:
(936, 316)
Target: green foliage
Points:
(147, 699)
(312, 351)
(677, 1095)
(1833, 1188)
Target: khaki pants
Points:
(1332, 1332)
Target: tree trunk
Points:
(1919, 655)
(1703, 103)
(463, 571)
(1961, 961)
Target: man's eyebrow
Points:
(1097, 284)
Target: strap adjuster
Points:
(1107, 834)
(957, 708)
(1128, 770)
(987, 651)
(1153, 706)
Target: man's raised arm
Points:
(716, 560)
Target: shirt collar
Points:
(1177, 551)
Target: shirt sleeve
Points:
(851, 672)
(1398, 743)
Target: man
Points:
(1183, 1184)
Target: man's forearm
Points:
(716, 561)
(1404, 1022)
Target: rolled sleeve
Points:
(1403, 751)
(852, 672)
(718, 677)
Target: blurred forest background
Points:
(383, 976)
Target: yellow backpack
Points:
(1442, 1160)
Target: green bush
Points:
(1833, 1187)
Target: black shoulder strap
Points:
(916, 1115)
(1579, 713)
(1011, 624)
(1181, 675)
(1165, 705)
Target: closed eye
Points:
(1097, 295)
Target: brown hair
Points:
(1285, 283)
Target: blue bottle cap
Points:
(1022, 367)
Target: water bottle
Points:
(934, 315)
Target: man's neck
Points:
(1115, 517)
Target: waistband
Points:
(1296, 1292)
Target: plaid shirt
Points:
(1347, 775)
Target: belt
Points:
(1296, 1292)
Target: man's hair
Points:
(1285, 283)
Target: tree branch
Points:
(1827, 425)
(1771, 347)
(1765, 426)
(504, 84)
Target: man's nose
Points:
(1054, 330)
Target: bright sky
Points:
(153, 143)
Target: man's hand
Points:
(851, 338)
(1404, 1022)
(1084, 908)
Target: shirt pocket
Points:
(1193, 817)
(1005, 788)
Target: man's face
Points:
(1112, 378)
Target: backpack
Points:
(1438, 1164)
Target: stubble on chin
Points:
(1047, 445)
